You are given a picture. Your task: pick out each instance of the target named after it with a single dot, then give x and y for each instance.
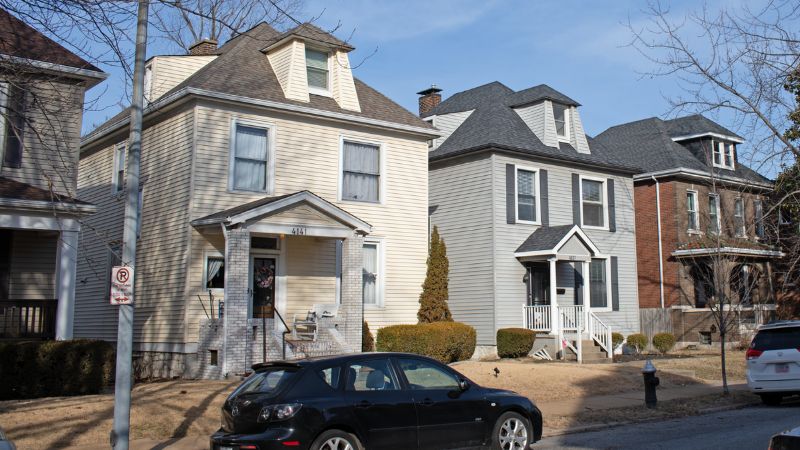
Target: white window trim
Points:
(605, 202)
(3, 112)
(380, 302)
(609, 301)
(720, 146)
(537, 194)
(719, 214)
(567, 122)
(696, 212)
(313, 89)
(740, 231)
(119, 188)
(271, 138)
(210, 254)
(381, 177)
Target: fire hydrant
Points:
(650, 383)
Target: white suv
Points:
(773, 361)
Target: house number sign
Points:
(299, 230)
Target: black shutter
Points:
(614, 284)
(612, 207)
(544, 202)
(511, 213)
(579, 283)
(15, 127)
(576, 199)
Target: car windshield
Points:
(267, 381)
(777, 339)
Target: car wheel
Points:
(771, 399)
(512, 432)
(336, 440)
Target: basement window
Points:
(213, 357)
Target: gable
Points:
(574, 247)
(300, 215)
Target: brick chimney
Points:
(203, 47)
(429, 99)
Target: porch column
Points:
(66, 270)
(587, 301)
(555, 323)
(352, 305)
(237, 301)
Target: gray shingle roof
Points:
(544, 238)
(312, 33)
(648, 144)
(495, 124)
(540, 92)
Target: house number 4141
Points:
(299, 231)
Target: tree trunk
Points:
(725, 389)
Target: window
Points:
(13, 125)
(215, 272)
(723, 154)
(703, 277)
(361, 174)
(250, 158)
(784, 217)
(598, 284)
(267, 381)
(371, 282)
(691, 209)
(423, 375)
(526, 195)
(331, 376)
(373, 375)
(118, 182)
(593, 202)
(317, 70)
(759, 207)
(738, 216)
(561, 116)
(713, 214)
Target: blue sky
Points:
(579, 48)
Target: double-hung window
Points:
(738, 216)
(317, 70)
(361, 171)
(691, 210)
(526, 196)
(759, 209)
(118, 181)
(250, 158)
(561, 116)
(713, 214)
(598, 284)
(12, 109)
(593, 198)
(371, 275)
(215, 273)
(723, 154)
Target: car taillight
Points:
(278, 412)
(753, 353)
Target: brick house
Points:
(696, 202)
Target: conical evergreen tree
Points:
(433, 300)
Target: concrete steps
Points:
(592, 353)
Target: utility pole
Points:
(120, 434)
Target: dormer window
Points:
(561, 116)
(723, 153)
(317, 71)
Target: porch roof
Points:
(18, 195)
(272, 205)
(548, 241)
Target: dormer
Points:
(706, 139)
(307, 61)
(553, 117)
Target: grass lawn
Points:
(708, 367)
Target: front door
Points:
(538, 285)
(264, 287)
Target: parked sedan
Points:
(377, 401)
(773, 361)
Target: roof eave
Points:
(728, 137)
(691, 173)
(92, 77)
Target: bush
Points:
(637, 342)
(55, 368)
(444, 341)
(664, 342)
(367, 341)
(514, 342)
(616, 340)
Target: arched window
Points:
(745, 280)
(703, 277)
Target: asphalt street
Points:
(747, 428)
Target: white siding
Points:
(447, 124)
(534, 117)
(577, 134)
(170, 71)
(33, 265)
(289, 64)
(343, 87)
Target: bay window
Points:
(361, 174)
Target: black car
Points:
(375, 401)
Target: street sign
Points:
(121, 285)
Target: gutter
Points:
(697, 174)
(92, 76)
(729, 251)
(660, 248)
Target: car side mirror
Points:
(463, 384)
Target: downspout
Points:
(660, 249)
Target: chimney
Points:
(429, 99)
(204, 47)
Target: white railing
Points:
(600, 333)
(537, 318)
(571, 318)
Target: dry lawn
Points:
(708, 367)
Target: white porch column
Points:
(555, 323)
(587, 303)
(66, 271)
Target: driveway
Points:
(747, 428)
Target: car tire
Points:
(771, 399)
(336, 440)
(512, 432)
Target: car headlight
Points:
(278, 412)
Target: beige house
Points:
(274, 184)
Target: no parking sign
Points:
(122, 285)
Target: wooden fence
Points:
(653, 321)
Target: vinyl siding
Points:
(447, 124)
(33, 265)
(310, 274)
(343, 87)
(289, 64)
(534, 117)
(170, 71)
(577, 135)
(462, 210)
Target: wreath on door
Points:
(265, 276)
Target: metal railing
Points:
(28, 319)
(537, 317)
(600, 333)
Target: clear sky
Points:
(577, 47)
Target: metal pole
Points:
(120, 434)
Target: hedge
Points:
(55, 368)
(616, 340)
(367, 341)
(444, 341)
(637, 341)
(664, 342)
(514, 342)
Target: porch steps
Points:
(592, 353)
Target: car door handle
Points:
(363, 404)
(426, 402)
